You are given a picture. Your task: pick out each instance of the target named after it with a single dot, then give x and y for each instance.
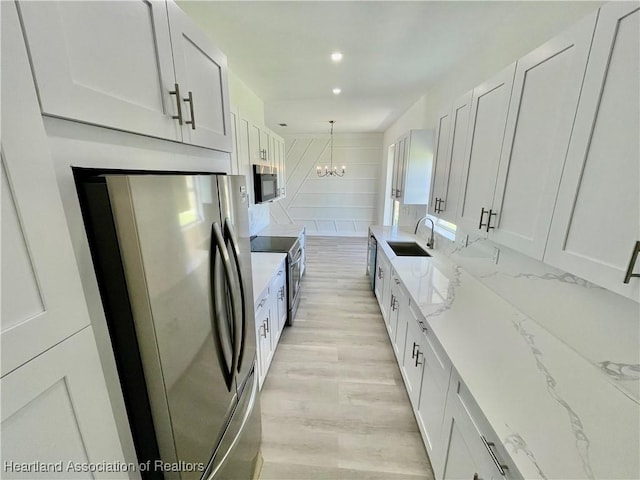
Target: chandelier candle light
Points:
(330, 171)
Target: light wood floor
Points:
(334, 405)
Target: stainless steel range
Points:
(291, 246)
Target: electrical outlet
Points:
(496, 255)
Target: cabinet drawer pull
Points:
(397, 281)
(418, 353)
(482, 212)
(632, 263)
(266, 325)
(398, 193)
(176, 92)
(413, 353)
(191, 122)
(491, 214)
(393, 192)
(488, 445)
(424, 329)
(393, 302)
(264, 331)
(262, 302)
(380, 272)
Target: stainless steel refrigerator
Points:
(173, 263)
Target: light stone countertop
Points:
(276, 230)
(556, 414)
(264, 265)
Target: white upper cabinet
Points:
(445, 203)
(138, 66)
(440, 162)
(543, 105)
(104, 63)
(484, 142)
(201, 74)
(42, 298)
(596, 223)
(412, 167)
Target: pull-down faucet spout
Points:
(430, 242)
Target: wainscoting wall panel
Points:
(334, 206)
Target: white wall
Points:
(343, 206)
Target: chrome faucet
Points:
(430, 242)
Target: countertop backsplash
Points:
(601, 326)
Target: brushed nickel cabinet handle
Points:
(418, 353)
(413, 353)
(266, 323)
(488, 446)
(176, 92)
(481, 217)
(632, 263)
(491, 214)
(191, 122)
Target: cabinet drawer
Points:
(487, 447)
(434, 355)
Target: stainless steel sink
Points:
(408, 249)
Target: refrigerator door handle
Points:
(230, 234)
(218, 246)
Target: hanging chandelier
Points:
(330, 171)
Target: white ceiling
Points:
(393, 51)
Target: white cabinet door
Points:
(484, 141)
(280, 290)
(433, 396)
(56, 409)
(383, 276)
(399, 322)
(544, 100)
(282, 168)
(235, 143)
(596, 223)
(472, 450)
(105, 63)
(440, 163)
(414, 346)
(201, 73)
(263, 335)
(460, 112)
(42, 298)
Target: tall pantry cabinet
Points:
(55, 404)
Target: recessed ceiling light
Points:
(336, 91)
(336, 57)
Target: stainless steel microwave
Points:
(265, 183)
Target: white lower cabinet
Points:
(280, 301)
(271, 317)
(472, 448)
(459, 440)
(55, 409)
(263, 335)
(399, 317)
(433, 395)
(383, 275)
(413, 363)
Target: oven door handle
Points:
(298, 257)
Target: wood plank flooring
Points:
(334, 405)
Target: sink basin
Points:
(407, 249)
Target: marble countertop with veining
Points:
(264, 265)
(557, 415)
(281, 230)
